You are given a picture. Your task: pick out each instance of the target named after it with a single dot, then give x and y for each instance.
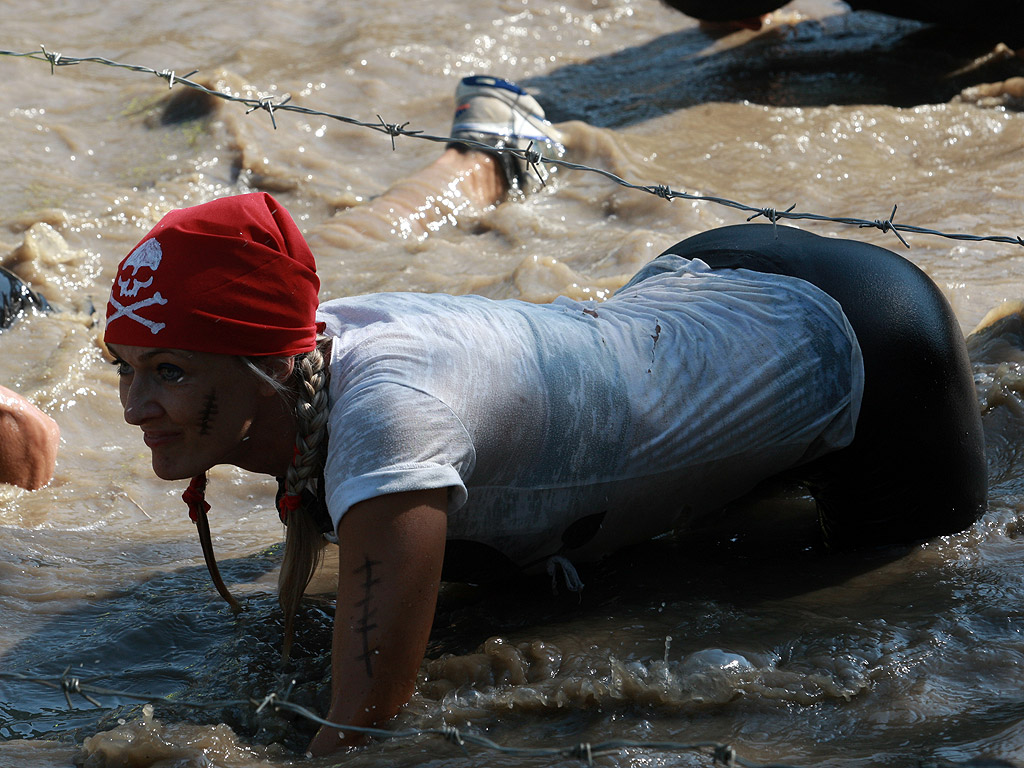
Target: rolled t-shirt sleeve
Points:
(387, 437)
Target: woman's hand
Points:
(389, 569)
(28, 442)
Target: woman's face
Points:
(195, 409)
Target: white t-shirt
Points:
(676, 395)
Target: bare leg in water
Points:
(456, 182)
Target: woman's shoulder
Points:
(423, 311)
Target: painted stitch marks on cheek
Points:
(206, 417)
(365, 624)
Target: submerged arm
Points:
(390, 554)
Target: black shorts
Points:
(916, 467)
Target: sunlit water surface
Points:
(885, 658)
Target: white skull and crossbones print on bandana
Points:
(137, 274)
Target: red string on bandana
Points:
(288, 503)
(195, 497)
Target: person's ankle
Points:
(483, 170)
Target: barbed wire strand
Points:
(585, 752)
(531, 157)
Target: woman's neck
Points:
(270, 442)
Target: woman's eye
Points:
(123, 369)
(170, 373)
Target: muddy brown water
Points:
(883, 659)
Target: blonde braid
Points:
(303, 550)
(311, 411)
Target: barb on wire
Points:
(886, 225)
(265, 103)
(773, 216)
(452, 735)
(726, 755)
(53, 58)
(169, 75)
(268, 699)
(583, 752)
(393, 130)
(278, 700)
(71, 685)
(533, 158)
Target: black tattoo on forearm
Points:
(209, 411)
(366, 625)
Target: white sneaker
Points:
(499, 113)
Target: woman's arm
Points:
(28, 442)
(389, 570)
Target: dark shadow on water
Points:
(173, 639)
(169, 636)
(847, 59)
(710, 568)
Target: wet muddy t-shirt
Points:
(676, 395)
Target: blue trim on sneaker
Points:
(496, 82)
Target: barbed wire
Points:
(529, 155)
(585, 752)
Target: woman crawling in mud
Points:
(436, 436)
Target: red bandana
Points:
(233, 276)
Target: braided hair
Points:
(300, 504)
